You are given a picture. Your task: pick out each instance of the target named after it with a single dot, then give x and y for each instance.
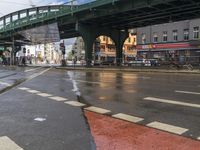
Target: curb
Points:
(130, 70)
(11, 86)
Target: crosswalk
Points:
(128, 117)
(167, 127)
(98, 110)
(122, 116)
(4, 83)
(157, 124)
(75, 103)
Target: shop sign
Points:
(164, 46)
(146, 46)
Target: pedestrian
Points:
(1, 60)
(23, 61)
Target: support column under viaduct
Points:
(89, 34)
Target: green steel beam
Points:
(107, 13)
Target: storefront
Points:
(180, 52)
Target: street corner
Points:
(114, 134)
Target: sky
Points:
(9, 6)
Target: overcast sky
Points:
(8, 6)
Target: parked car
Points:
(135, 63)
(146, 62)
(108, 62)
(96, 63)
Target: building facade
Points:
(78, 48)
(104, 49)
(43, 53)
(178, 41)
(107, 50)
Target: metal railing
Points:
(45, 16)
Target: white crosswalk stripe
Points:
(172, 102)
(128, 117)
(188, 92)
(44, 94)
(33, 91)
(98, 110)
(57, 98)
(4, 83)
(167, 127)
(23, 88)
(75, 103)
(7, 144)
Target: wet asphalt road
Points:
(125, 93)
(65, 127)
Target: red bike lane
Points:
(114, 134)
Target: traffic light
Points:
(62, 48)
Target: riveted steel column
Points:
(89, 34)
(119, 37)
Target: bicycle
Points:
(174, 66)
(188, 67)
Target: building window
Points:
(196, 32)
(143, 38)
(165, 36)
(104, 38)
(186, 34)
(155, 37)
(129, 40)
(175, 35)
